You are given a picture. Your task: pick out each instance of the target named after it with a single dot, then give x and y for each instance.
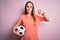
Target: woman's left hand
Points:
(41, 12)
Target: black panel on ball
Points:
(21, 27)
(20, 32)
(16, 29)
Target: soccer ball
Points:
(20, 30)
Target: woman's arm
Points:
(17, 24)
(46, 18)
(14, 32)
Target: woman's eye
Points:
(26, 6)
(30, 6)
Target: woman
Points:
(30, 20)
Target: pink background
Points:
(10, 10)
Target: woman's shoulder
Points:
(22, 15)
(36, 15)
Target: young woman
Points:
(30, 20)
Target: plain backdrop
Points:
(10, 10)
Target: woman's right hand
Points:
(15, 32)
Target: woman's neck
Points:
(28, 14)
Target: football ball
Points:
(20, 30)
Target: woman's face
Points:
(29, 8)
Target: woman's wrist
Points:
(43, 14)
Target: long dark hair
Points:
(32, 13)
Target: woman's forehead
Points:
(29, 4)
